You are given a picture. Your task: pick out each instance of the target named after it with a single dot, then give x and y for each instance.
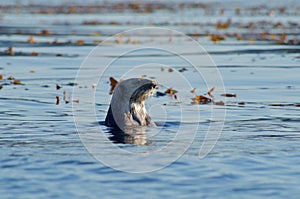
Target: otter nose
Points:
(154, 85)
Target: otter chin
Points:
(127, 106)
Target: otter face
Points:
(137, 89)
(143, 92)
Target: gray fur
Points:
(127, 107)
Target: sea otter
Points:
(127, 106)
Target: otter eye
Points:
(154, 86)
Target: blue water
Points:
(42, 155)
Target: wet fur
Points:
(128, 104)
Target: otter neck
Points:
(138, 112)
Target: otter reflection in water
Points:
(127, 115)
(130, 135)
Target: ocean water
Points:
(50, 148)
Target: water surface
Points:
(256, 156)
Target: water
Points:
(257, 154)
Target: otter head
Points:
(144, 88)
(135, 89)
(127, 104)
